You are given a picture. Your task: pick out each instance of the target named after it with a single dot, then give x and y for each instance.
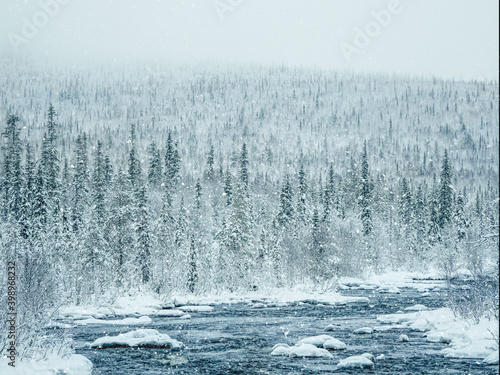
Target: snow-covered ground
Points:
(76, 364)
(465, 339)
(391, 282)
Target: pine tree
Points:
(328, 193)
(210, 173)
(445, 193)
(11, 168)
(405, 204)
(228, 189)
(244, 167)
(286, 211)
(50, 161)
(172, 161)
(303, 189)
(143, 237)
(366, 195)
(81, 182)
(192, 278)
(155, 168)
(197, 198)
(134, 164)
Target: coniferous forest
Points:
(201, 179)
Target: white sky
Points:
(446, 38)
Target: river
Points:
(238, 339)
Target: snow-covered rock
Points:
(356, 361)
(393, 289)
(126, 321)
(315, 340)
(308, 350)
(404, 338)
(330, 327)
(170, 313)
(417, 307)
(196, 308)
(363, 331)
(140, 337)
(334, 344)
(75, 364)
(492, 359)
(281, 349)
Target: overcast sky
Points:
(446, 38)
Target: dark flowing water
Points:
(237, 339)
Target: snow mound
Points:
(492, 359)
(393, 289)
(76, 364)
(466, 340)
(196, 308)
(417, 308)
(126, 321)
(404, 338)
(140, 337)
(363, 331)
(170, 313)
(281, 349)
(308, 350)
(334, 344)
(356, 361)
(315, 340)
(329, 328)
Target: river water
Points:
(238, 339)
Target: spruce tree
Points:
(366, 195)
(445, 192)
(11, 168)
(155, 167)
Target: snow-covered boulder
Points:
(330, 327)
(281, 349)
(334, 344)
(417, 307)
(404, 338)
(308, 350)
(198, 308)
(392, 289)
(140, 337)
(315, 340)
(355, 361)
(363, 331)
(492, 359)
(170, 313)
